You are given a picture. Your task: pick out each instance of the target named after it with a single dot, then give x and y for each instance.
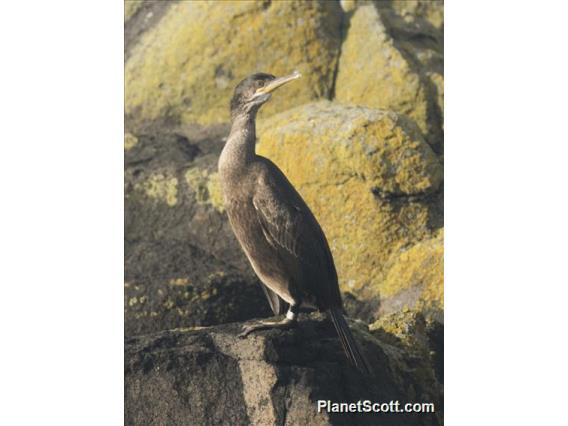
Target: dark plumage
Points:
(277, 231)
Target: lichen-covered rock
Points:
(419, 337)
(131, 7)
(374, 73)
(139, 17)
(419, 12)
(417, 26)
(388, 61)
(172, 191)
(415, 278)
(211, 377)
(207, 187)
(186, 66)
(172, 284)
(368, 176)
(183, 265)
(129, 141)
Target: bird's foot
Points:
(285, 324)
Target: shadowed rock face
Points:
(183, 266)
(211, 377)
(175, 284)
(171, 190)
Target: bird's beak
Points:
(277, 82)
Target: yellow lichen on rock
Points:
(161, 187)
(207, 187)
(215, 192)
(131, 7)
(186, 67)
(130, 141)
(430, 10)
(416, 278)
(438, 80)
(373, 72)
(179, 281)
(338, 157)
(197, 180)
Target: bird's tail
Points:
(348, 342)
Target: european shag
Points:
(277, 231)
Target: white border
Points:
(61, 248)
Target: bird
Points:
(276, 229)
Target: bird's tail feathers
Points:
(348, 342)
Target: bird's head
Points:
(255, 90)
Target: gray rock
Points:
(172, 284)
(183, 266)
(211, 377)
(161, 203)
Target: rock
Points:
(185, 67)
(393, 62)
(366, 309)
(172, 194)
(420, 14)
(418, 337)
(417, 26)
(130, 141)
(131, 7)
(368, 176)
(415, 279)
(183, 265)
(139, 17)
(211, 377)
(172, 284)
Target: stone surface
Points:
(368, 176)
(419, 13)
(183, 266)
(170, 190)
(211, 377)
(172, 284)
(131, 7)
(184, 70)
(415, 279)
(392, 58)
(414, 334)
(418, 28)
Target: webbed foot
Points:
(285, 324)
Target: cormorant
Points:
(277, 231)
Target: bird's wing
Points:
(288, 224)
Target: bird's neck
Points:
(239, 150)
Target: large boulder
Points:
(369, 177)
(185, 66)
(172, 190)
(211, 377)
(183, 265)
(417, 26)
(392, 58)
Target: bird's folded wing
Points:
(284, 225)
(288, 224)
